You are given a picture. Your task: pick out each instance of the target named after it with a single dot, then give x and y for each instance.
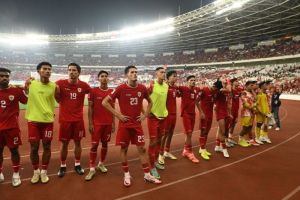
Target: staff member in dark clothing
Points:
(275, 105)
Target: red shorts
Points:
(125, 135)
(188, 122)
(10, 138)
(221, 115)
(101, 132)
(170, 123)
(71, 130)
(206, 123)
(40, 131)
(156, 127)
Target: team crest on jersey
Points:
(79, 89)
(139, 94)
(11, 97)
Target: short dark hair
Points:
(190, 76)
(261, 84)
(233, 80)
(4, 70)
(39, 66)
(158, 68)
(248, 83)
(128, 68)
(268, 82)
(76, 65)
(170, 73)
(254, 82)
(102, 72)
(218, 84)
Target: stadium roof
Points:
(219, 24)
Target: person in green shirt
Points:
(158, 91)
(40, 116)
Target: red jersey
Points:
(206, 96)
(188, 99)
(131, 102)
(171, 99)
(101, 116)
(221, 100)
(9, 107)
(236, 94)
(71, 100)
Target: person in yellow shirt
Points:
(40, 116)
(262, 114)
(247, 116)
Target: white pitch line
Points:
(292, 193)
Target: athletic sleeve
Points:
(116, 93)
(91, 95)
(146, 94)
(23, 98)
(87, 88)
(180, 91)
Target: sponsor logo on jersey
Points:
(11, 97)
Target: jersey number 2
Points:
(3, 104)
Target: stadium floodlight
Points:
(94, 41)
(234, 5)
(134, 32)
(150, 33)
(219, 2)
(23, 40)
(84, 35)
(145, 27)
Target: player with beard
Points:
(9, 123)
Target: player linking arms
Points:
(9, 125)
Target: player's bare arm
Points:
(144, 114)
(90, 117)
(201, 113)
(120, 116)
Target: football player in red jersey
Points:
(71, 94)
(188, 102)
(223, 115)
(171, 119)
(205, 105)
(158, 92)
(236, 94)
(101, 123)
(9, 125)
(130, 97)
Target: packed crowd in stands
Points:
(23, 63)
(280, 48)
(286, 75)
